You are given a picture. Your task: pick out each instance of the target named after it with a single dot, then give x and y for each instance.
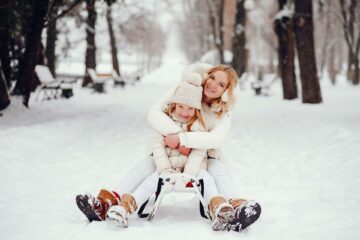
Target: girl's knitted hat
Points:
(189, 91)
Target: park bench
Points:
(50, 87)
(263, 87)
(118, 80)
(98, 81)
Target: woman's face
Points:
(216, 85)
(184, 112)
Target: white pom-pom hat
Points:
(189, 91)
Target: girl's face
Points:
(184, 112)
(216, 85)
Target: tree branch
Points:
(62, 14)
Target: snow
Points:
(286, 12)
(299, 161)
(212, 56)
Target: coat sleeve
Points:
(207, 140)
(159, 153)
(159, 120)
(194, 162)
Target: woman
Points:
(219, 83)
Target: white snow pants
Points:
(146, 166)
(149, 186)
(222, 177)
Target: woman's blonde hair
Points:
(221, 107)
(197, 116)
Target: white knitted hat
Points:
(189, 92)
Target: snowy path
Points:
(300, 162)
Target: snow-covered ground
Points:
(301, 162)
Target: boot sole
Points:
(243, 219)
(86, 208)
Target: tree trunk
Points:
(331, 64)
(304, 33)
(239, 61)
(286, 50)
(26, 82)
(51, 38)
(356, 77)
(216, 22)
(350, 66)
(115, 62)
(350, 17)
(90, 58)
(221, 27)
(4, 91)
(4, 43)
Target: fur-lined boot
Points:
(246, 213)
(95, 208)
(119, 214)
(221, 213)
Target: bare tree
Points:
(26, 82)
(143, 35)
(350, 13)
(304, 33)
(286, 49)
(4, 91)
(195, 30)
(114, 58)
(51, 36)
(90, 57)
(216, 18)
(5, 42)
(239, 61)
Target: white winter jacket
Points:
(166, 158)
(217, 127)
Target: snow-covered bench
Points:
(263, 87)
(118, 80)
(98, 82)
(51, 87)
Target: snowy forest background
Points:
(294, 141)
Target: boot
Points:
(221, 213)
(237, 202)
(246, 214)
(95, 208)
(119, 214)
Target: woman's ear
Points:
(225, 96)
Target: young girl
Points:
(184, 109)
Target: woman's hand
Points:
(184, 150)
(172, 141)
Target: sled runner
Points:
(176, 182)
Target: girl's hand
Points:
(172, 141)
(184, 150)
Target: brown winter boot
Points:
(95, 208)
(119, 213)
(221, 213)
(237, 202)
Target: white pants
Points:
(142, 169)
(223, 179)
(149, 186)
(145, 167)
